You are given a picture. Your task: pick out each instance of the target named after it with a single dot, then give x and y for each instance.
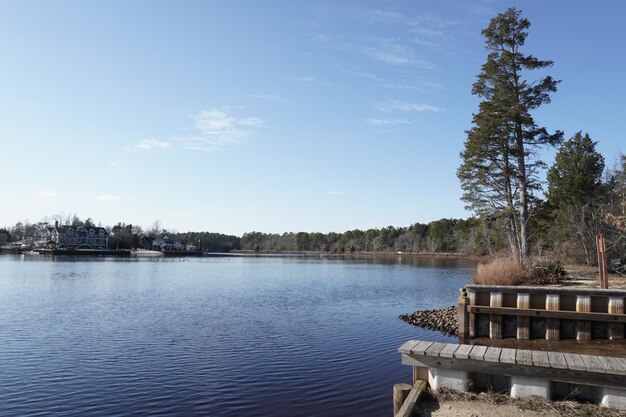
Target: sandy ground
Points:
(476, 409)
(587, 276)
(489, 404)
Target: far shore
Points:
(363, 254)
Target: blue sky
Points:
(233, 116)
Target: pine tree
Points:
(575, 192)
(576, 176)
(500, 158)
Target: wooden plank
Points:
(540, 358)
(478, 352)
(407, 346)
(593, 364)
(582, 377)
(420, 348)
(557, 360)
(620, 361)
(611, 365)
(463, 352)
(493, 354)
(448, 351)
(507, 355)
(434, 349)
(596, 292)
(411, 401)
(575, 362)
(523, 357)
(556, 314)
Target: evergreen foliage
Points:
(575, 193)
(576, 176)
(500, 162)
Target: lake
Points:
(219, 336)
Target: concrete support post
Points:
(525, 387)
(553, 326)
(613, 398)
(616, 306)
(495, 320)
(583, 327)
(523, 323)
(448, 378)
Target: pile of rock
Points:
(442, 319)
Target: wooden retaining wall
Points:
(553, 313)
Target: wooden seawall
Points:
(553, 313)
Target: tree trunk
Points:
(524, 249)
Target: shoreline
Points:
(452, 255)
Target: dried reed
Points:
(500, 271)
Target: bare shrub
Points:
(500, 271)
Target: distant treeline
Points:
(445, 235)
(582, 200)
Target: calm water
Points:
(213, 336)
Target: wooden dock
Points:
(523, 372)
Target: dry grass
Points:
(507, 271)
(500, 271)
(534, 404)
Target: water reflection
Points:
(223, 336)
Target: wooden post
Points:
(583, 327)
(616, 306)
(601, 243)
(495, 320)
(523, 323)
(471, 325)
(400, 392)
(553, 326)
(462, 315)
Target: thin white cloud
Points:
(108, 197)
(383, 16)
(390, 52)
(390, 106)
(402, 87)
(367, 75)
(375, 16)
(305, 79)
(217, 128)
(149, 144)
(268, 97)
(337, 193)
(48, 194)
(117, 165)
(387, 122)
(207, 207)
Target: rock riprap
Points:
(442, 319)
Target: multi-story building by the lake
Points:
(78, 237)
